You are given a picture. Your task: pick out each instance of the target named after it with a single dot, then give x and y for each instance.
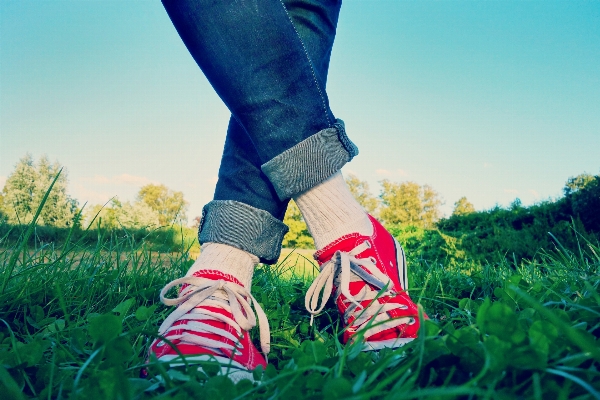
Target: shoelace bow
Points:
(345, 268)
(215, 293)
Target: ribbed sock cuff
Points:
(330, 211)
(226, 259)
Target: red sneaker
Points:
(211, 323)
(367, 276)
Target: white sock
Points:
(226, 259)
(330, 211)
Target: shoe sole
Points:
(386, 344)
(230, 368)
(401, 261)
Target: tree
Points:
(298, 236)
(170, 206)
(583, 193)
(26, 187)
(19, 191)
(362, 194)
(463, 207)
(577, 183)
(137, 215)
(409, 203)
(60, 208)
(2, 214)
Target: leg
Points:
(277, 97)
(244, 194)
(241, 179)
(258, 64)
(261, 65)
(240, 176)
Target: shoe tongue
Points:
(216, 275)
(213, 275)
(346, 244)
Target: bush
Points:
(518, 232)
(509, 234)
(165, 239)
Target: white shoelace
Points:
(345, 268)
(215, 293)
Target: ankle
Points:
(226, 260)
(331, 211)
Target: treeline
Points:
(157, 216)
(27, 187)
(519, 232)
(411, 213)
(513, 233)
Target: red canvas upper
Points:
(388, 257)
(247, 355)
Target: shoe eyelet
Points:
(412, 321)
(160, 344)
(368, 244)
(373, 260)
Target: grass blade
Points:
(13, 259)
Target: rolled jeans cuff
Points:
(244, 227)
(310, 162)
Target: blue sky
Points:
(492, 100)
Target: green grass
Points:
(297, 264)
(76, 320)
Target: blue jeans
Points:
(268, 61)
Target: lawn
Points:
(76, 320)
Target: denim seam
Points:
(308, 59)
(346, 142)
